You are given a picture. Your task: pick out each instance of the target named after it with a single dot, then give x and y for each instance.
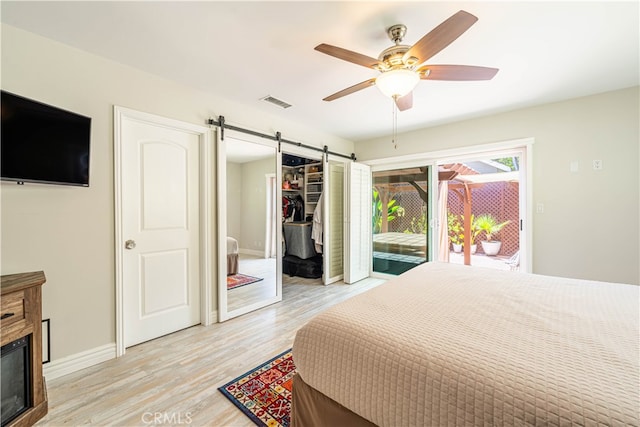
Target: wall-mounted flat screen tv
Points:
(44, 144)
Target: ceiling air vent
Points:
(276, 101)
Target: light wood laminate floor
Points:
(264, 268)
(173, 380)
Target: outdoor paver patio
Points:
(481, 260)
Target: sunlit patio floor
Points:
(481, 260)
(401, 262)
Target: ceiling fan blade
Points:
(347, 55)
(405, 102)
(441, 36)
(350, 90)
(456, 72)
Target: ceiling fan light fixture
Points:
(397, 83)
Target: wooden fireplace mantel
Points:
(21, 308)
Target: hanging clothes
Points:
(298, 213)
(316, 228)
(292, 208)
(287, 208)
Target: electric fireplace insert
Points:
(16, 384)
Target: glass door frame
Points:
(523, 152)
(524, 147)
(431, 240)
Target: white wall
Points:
(246, 202)
(69, 232)
(590, 227)
(254, 203)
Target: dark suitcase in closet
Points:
(310, 268)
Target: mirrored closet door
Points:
(249, 271)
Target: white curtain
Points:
(443, 230)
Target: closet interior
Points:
(302, 182)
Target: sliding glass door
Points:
(400, 219)
(485, 195)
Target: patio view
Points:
(400, 219)
(480, 196)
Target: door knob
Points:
(130, 244)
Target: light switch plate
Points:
(573, 166)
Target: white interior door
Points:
(358, 223)
(161, 226)
(333, 225)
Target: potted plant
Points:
(490, 226)
(456, 232)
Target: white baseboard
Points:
(251, 252)
(75, 362)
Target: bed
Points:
(446, 344)
(232, 256)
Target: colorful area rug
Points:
(264, 393)
(237, 280)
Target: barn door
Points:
(358, 222)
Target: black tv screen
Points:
(42, 143)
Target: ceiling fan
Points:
(402, 66)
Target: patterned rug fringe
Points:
(237, 280)
(264, 393)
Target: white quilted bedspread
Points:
(232, 246)
(449, 345)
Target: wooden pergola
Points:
(462, 183)
(404, 180)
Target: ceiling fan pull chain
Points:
(394, 121)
